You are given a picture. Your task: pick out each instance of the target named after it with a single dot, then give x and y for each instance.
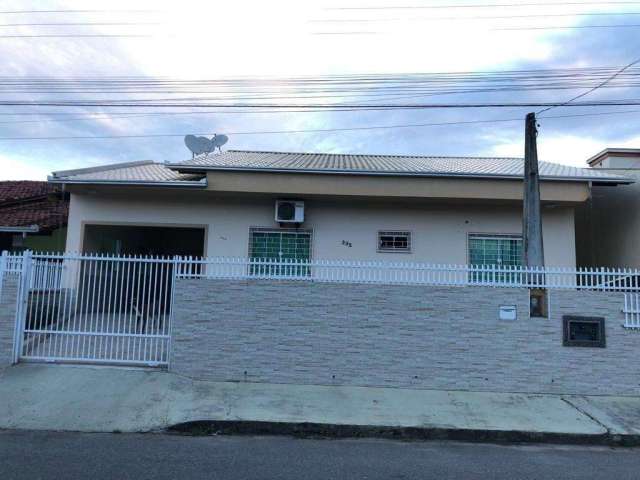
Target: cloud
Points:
(565, 149)
(210, 40)
(21, 168)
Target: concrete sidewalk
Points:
(105, 399)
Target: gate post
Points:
(176, 267)
(22, 305)
(3, 268)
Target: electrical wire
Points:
(485, 5)
(14, 12)
(324, 107)
(78, 24)
(462, 18)
(584, 94)
(318, 130)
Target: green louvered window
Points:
(499, 250)
(269, 245)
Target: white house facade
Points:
(327, 270)
(355, 207)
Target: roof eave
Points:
(201, 169)
(21, 229)
(174, 184)
(611, 152)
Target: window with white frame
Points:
(498, 250)
(279, 245)
(394, 241)
(503, 250)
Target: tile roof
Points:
(131, 172)
(24, 189)
(385, 164)
(26, 203)
(47, 214)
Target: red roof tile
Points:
(24, 189)
(27, 203)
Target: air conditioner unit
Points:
(289, 211)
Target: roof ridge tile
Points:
(101, 168)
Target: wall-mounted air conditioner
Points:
(289, 211)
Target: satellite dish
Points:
(219, 140)
(198, 145)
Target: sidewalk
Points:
(105, 399)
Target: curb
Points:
(320, 430)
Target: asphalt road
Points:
(71, 456)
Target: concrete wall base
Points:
(448, 338)
(8, 299)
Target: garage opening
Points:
(134, 240)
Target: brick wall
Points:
(396, 336)
(8, 297)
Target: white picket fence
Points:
(405, 273)
(118, 309)
(48, 272)
(632, 310)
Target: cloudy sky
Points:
(259, 41)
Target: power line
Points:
(486, 5)
(319, 106)
(75, 35)
(251, 80)
(493, 29)
(482, 17)
(12, 12)
(78, 24)
(584, 94)
(570, 27)
(319, 130)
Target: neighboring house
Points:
(610, 222)
(446, 210)
(33, 215)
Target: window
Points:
(279, 245)
(583, 331)
(500, 250)
(503, 250)
(394, 242)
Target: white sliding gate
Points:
(95, 309)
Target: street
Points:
(70, 456)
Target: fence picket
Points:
(117, 308)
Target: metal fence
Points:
(98, 309)
(632, 310)
(405, 273)
(47, 274)
(118, 309)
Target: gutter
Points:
(189, 184)
(181, 168)
(25, 229)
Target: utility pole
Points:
(533, 251)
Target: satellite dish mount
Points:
(200, 145)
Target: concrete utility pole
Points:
(533, 252)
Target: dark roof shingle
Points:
(27, 203)
(21, 190)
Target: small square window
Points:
(583, 332)
(394, 241)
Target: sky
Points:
(259, 41)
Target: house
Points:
(609, 223)
(395, 323)
(33, 216)
(446, 210)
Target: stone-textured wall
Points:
(8, 297)
(396, 336)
